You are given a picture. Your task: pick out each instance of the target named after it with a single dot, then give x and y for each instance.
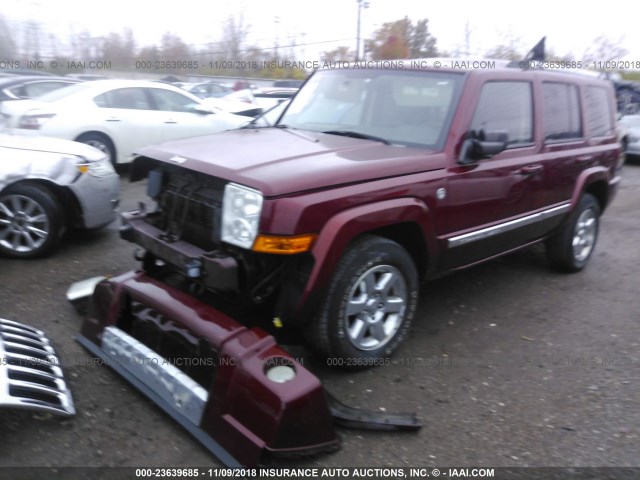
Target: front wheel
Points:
(369, 306)
(102, 143)
(31, 222)
(571, 247)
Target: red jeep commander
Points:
(370, 181)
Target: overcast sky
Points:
(570, 26)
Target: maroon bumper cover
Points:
(253, 397)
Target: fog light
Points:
(281, 373)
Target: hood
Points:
(49, 144)
(282, 161)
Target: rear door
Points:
(180, 119)
(565, 151)
(128, 117)
(489, 203)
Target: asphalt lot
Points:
(508, 364)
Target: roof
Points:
(465, 65)
(27, 78)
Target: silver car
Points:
(48, 185)
(631, 136)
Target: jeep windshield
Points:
(407, 108)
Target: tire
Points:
(31, 221)
(570, 249)
(361, 322)
(102, 143)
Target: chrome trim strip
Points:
(507, 226)
(32, 379)
(157, 373)
(203, 437)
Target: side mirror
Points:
(203, 110)
(482, 144)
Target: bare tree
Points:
(82, 45)
(604, 49)
(235, 33)
(119, 49)
(7, 45)
(511, 47)
(173, 48)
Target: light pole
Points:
(276, 20)
(361, 4)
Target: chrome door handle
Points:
(530, 170)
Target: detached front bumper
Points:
(233, 388)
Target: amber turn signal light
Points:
(283, 245)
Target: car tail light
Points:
(34, 122)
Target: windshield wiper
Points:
(364, 136)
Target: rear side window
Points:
(127, 98)
(169, 101)
(40, 88)
(506, 107)
(561, 111)
(599, 118)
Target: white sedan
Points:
(118, 116)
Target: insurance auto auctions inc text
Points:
(354, 472)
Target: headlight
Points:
(241, 211)
(100, 168)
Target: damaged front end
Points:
(181, 329)
(233, 388)
(30, 373)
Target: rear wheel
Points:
(570, 249)
(368, 309)
(31, 221)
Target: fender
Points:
(344, 227)
(591, 176)
(35, 180)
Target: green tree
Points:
(340, 54)
(421, 43)
(402, 39)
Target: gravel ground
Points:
(508, 364)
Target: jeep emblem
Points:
(178, 159)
